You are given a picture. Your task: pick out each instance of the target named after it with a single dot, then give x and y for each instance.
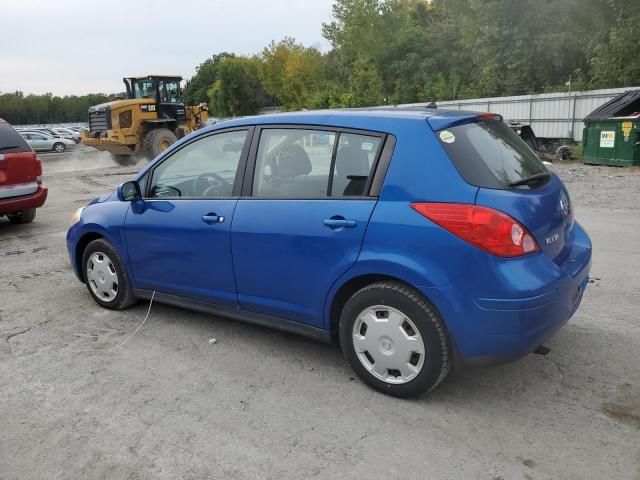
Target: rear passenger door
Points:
(302, 217)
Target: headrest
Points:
(292, 162)
(352, 160)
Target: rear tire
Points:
(105, 276)
(395, 340)
(157, 141)
(59, 147)
(23, 216)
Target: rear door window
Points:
(293, 163)
(11, 141)
(355, 158)
(489, 154)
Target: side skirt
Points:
(238, 314)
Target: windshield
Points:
(490, 154)
(143, 89)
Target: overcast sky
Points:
(87, 46)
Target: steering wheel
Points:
(209, 183)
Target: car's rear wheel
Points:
(106, 279)
(59, 147)
(23, 216)
(394, 339)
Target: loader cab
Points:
(165, 90)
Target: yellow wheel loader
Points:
(151, 118)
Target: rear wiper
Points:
(536, 178)
(8, 147)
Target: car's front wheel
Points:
(394, 339)
(59, 147)
(105, 276)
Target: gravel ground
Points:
(259, 404)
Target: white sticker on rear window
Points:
(447, 137)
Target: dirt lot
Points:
(258, 404)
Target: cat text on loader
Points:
(147, 122)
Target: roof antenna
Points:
(432, 105)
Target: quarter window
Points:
(206, 168)
(293, 163)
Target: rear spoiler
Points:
(454, 118)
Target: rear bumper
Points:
(522, 311)
(24, 202)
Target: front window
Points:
(143, 89)
(205, 168)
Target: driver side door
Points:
(179, 240)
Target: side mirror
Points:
(129, 192)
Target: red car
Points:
(21, 188)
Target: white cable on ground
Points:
(145, 319)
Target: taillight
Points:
(38, 166)
(490, 230)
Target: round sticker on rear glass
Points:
(447, 137)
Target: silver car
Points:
(41, 142)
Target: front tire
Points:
(23, 216)
(157, 141)
(105, 276)
(395, 340)
(59, 147)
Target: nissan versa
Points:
(420, 238)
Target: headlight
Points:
(75, 218)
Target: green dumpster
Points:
(611, 134)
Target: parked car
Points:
(418, 238)
(67, 133)
(46, 131)
(21, 187)
(41, 142)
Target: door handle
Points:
(339, 222)
(212, 218)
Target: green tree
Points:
(237, 90)
(615, 62)
(197, 88)
(292, 74)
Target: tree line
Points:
(405, 51)
(18, 109)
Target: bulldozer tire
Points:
(157, 141)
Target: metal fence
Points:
(551, 115)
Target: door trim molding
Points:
(274, 323)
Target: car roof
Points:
(386, 119)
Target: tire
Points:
(408, 315)
(23, 216)
(564, 153)
(59, 147)
(157, 141)
(106, 260)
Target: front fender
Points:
(106, 220)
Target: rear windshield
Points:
(11, 141)
(489, 154)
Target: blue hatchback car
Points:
(419, 238)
